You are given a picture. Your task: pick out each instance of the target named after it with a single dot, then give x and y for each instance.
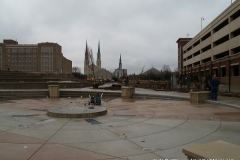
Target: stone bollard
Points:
(127, 92)
(53, 91)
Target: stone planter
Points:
(53, 91)
(127, 92)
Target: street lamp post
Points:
(202, 19)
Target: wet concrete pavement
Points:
(136, 129)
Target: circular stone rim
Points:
(91, 113)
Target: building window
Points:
(223, 72)
(14, 50)
(235, 70)
(220, 26)
(21, 50)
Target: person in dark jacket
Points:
(214, 89)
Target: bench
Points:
(199, 97)
(213, 150)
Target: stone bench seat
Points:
(213, 150)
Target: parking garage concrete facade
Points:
(214, 50)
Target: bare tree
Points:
(167, 72)
(166, 68)
(91, 62)
(76, 69)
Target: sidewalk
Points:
(222, 100)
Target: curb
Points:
(222, 103)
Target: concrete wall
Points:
(41, 85)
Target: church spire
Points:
(99, 46)
(99, 56)
(120, 62)
(86, 52)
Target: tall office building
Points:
(42, 57)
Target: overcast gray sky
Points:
(144, 32)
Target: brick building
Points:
(42, 57)
(214, 50)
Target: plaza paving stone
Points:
(138, 129)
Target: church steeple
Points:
(86, 61)
(98, 53)
(86, 52)
(120, 62)
(99, 56)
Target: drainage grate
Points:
(92, 121)
(124, 115)
(27, 115)
(38, 109)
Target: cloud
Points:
(144, 32)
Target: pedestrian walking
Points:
(214, 88)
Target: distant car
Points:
(112, 81)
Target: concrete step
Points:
(19, 76)
(86, 94)
(28, 79)
(25, 94)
